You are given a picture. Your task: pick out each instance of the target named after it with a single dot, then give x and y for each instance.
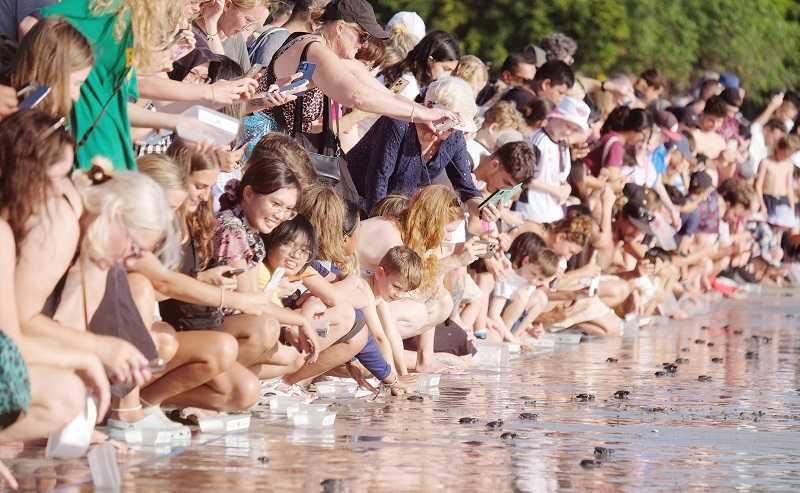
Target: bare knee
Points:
(64, 397)
(166, 342)
(246, 391)
(265, 333)
(221, 353)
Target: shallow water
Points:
(737, 432)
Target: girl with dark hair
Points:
(624, 127)
(434, 57)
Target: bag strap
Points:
(299, 105)
(102, 113)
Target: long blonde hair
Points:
(422, 224)
(164, 171)
(131, 199)
(326, 211)
(152, 23)
(48, 54)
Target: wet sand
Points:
(737, 431)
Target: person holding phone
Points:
(346, 26)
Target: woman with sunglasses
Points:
(346, 25)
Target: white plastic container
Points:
(306, 408)
(313, 419)
(104, 468)
(545, 341)
(336, 390)
(428, 381)
(72, 441)
(492, 355)
(224, 424)
(279, 403)
(568, 338)
(201, 124)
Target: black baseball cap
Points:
(357, 11)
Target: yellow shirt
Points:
(264, 275)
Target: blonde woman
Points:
(474, 71)
(224, 25)
(169, 175)
(124, 33)
(57, 55)
(432, 217)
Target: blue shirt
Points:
(388, 159)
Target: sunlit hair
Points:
(400, 42)
(576, 229)
(153, 24)
(249, 4)
(525, 245)
(405, 262)
(505, 115)
(29, 146)
(132, 200)
(390, 207)
(201, 224)
(163, 170)
(326, 212)
(48, 54)
(281, 147)
(371, 54)
(422, 224)
(473, 70)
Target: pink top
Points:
(607, 153)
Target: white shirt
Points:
(506, 287)
(553, 169)
(411, 91)
(757, 151)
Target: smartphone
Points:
(445, 126)
(490, 247)
(398, 85)
(307, 69)
(34, 94)
(233, 273)
(254, 71)
(503, 194)
(275, 279)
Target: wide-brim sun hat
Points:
(574, 111)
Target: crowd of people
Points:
(383, 206)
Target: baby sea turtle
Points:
(467, 421)
(584, 397)
(699, 341)
(684, 349)
(766, 340)
(603, 452)
(415, 398)
(717, 360)
(495, 424)
(611, 360)
(508, 436)
(681, 361)
(671, 368)
(660, 373)
(590, 463)
(528, 416)
(710, 344)
(704, 378)
(738, 332)
(622, 394)
(751, 355)
(263, 459)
